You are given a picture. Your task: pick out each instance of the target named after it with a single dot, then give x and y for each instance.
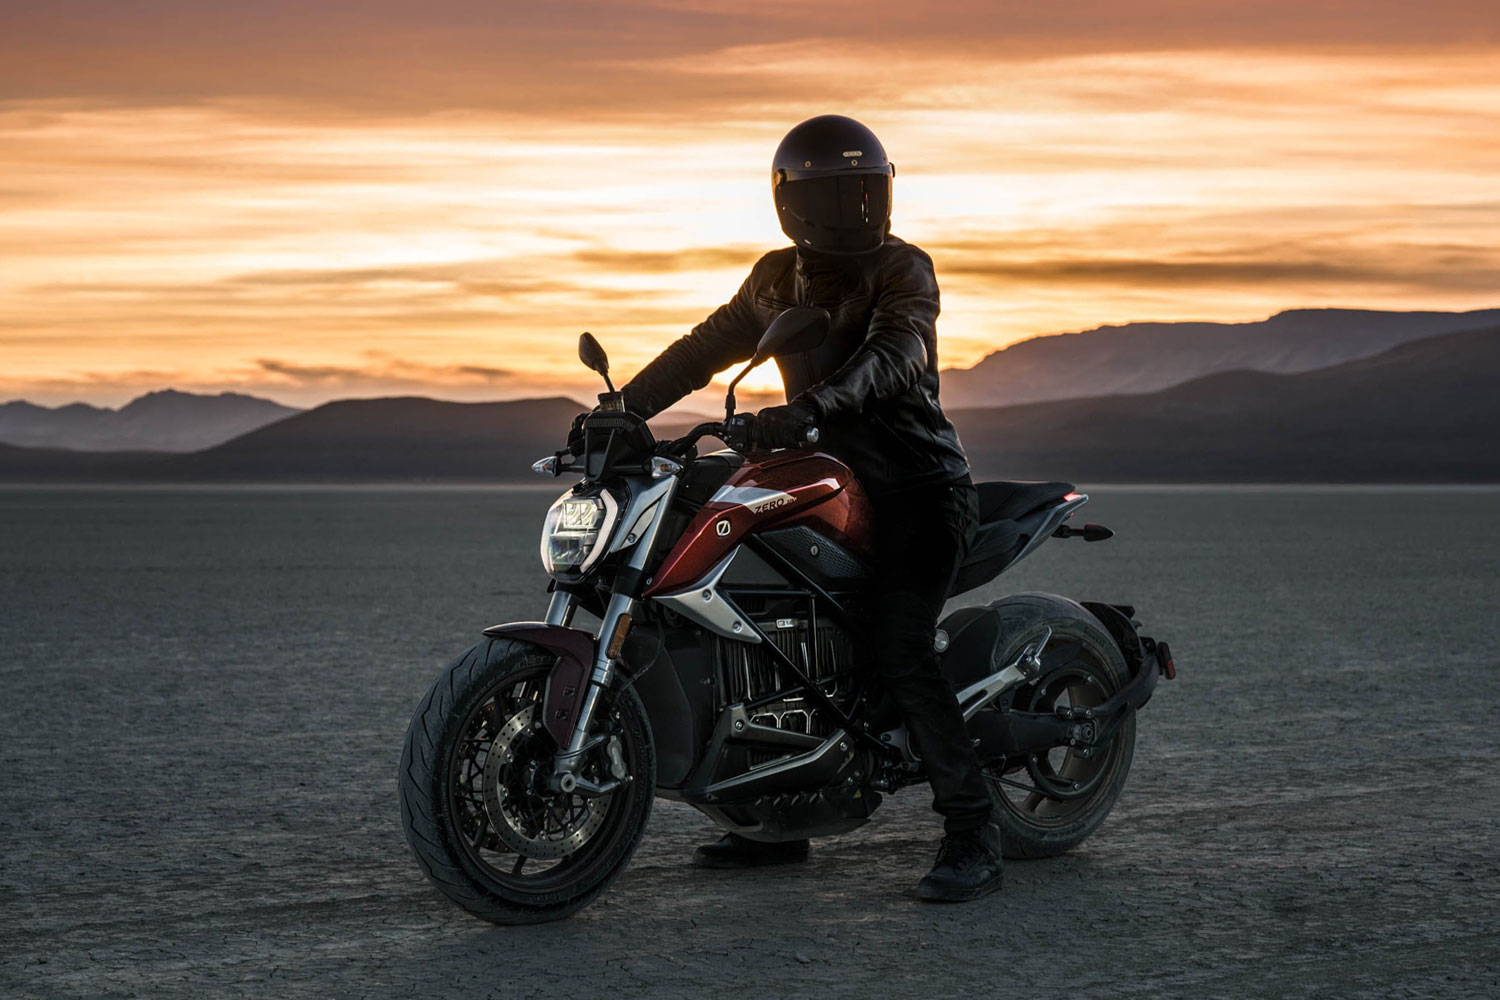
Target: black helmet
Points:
(832, 185)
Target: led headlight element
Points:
(576, 531)
(577, 515)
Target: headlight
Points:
(577, 531)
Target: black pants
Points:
(920, 536)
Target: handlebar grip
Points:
(810, 435)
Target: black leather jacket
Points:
(873, 381)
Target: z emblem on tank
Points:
(722, 528)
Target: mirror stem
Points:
(729, 396)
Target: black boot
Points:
(969, 865)
(734, 851)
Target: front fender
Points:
(569, 676)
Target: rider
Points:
(872, 390)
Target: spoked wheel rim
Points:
(518, 833)
(1054, 788)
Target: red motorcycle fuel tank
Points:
(770, 491)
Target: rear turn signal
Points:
(1089, 532)
(1164, 661)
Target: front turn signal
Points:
(617, 638)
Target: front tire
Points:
(475, 824)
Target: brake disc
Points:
(534, 824)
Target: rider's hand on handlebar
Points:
(575, 433)
(783, 426)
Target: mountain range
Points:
(1426, 411)
(1108, 360)
(158, 421)
(1146, 357)
(1423, 411)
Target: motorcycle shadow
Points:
(851, 906)
(868, 871)
(668, 927)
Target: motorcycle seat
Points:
(997, 538)
(1009, 501)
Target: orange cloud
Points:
(190, 232)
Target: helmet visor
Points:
(859, 203)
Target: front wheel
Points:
(477, 812)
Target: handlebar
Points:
(737, 432)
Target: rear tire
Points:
(1087, 667)
(445, 821)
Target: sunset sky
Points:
(316, 200)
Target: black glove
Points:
(783, 426)
(575, 433)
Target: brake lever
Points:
(682, 448)
(687, 444)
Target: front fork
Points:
(559, 612)
(560, 608)
(612, 629)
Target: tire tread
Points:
(1027, 612)
(422, 788)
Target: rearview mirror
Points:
(798, 329)
(592, 355)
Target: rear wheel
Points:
(475, 805)
(1049, 802)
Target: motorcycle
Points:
(722, 668)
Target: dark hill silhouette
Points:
(19, 464)
(158, 421)
(1147, 357)
(1427, 411)
(396, 438)
(354, 440)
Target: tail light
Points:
(1164, 661)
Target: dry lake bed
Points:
(203, 693)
